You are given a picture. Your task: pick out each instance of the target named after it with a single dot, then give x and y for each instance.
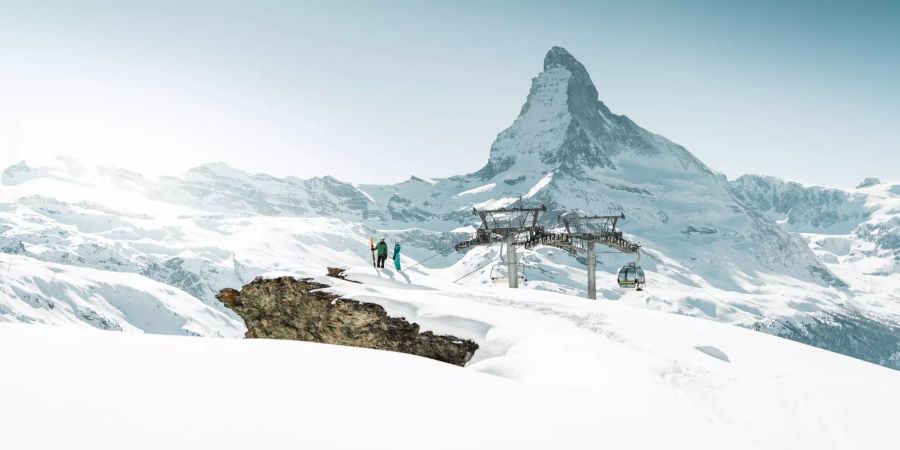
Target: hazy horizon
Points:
(375, 93)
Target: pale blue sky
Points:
(376, 91)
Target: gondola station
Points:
(514, 227)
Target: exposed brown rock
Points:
(229, 297)
(337, 272)
(288, 308)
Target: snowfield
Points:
(34, 291)
(553, 372)
(478, 190)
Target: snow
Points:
(109, 391)
(627, 378)
(542, 129)
(540, 185)
(847, 231)
(722, 377)
(364, 193)
(481, 189)
(494, 203)
(34, 291)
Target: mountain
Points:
(855, 232)
(750, 252)
(869, 212)
(803, 208)
(564, 126)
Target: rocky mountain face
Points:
(288, 308)
(800, 207)
(563, 126)
(757, 252)
(849, 225)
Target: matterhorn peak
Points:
(560, 57)
(564, 126)
(580, 86)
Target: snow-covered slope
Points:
(552, 373)
(34, 291)
(713, 249)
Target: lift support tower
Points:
(512, 226)
(581, 234)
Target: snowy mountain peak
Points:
(564, 126)
(560, 57)
(580, 91)
(868, 182)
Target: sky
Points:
(373, 92)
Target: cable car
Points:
(631, 276)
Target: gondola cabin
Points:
(631, 276)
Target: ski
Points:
(372, 247)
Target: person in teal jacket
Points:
(397, 256)
(381, 250)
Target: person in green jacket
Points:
(397, 256)
(381, 251)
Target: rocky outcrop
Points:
(337, 272)
(290, 308)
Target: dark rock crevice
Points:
(297, 309)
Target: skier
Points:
(397, 256)
(381, 249)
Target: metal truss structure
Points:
(578, 235)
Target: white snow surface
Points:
(34, 291)
(486, 188)
(539, 185)
(552, 372)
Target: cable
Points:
(420, 262)
(477, 269)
